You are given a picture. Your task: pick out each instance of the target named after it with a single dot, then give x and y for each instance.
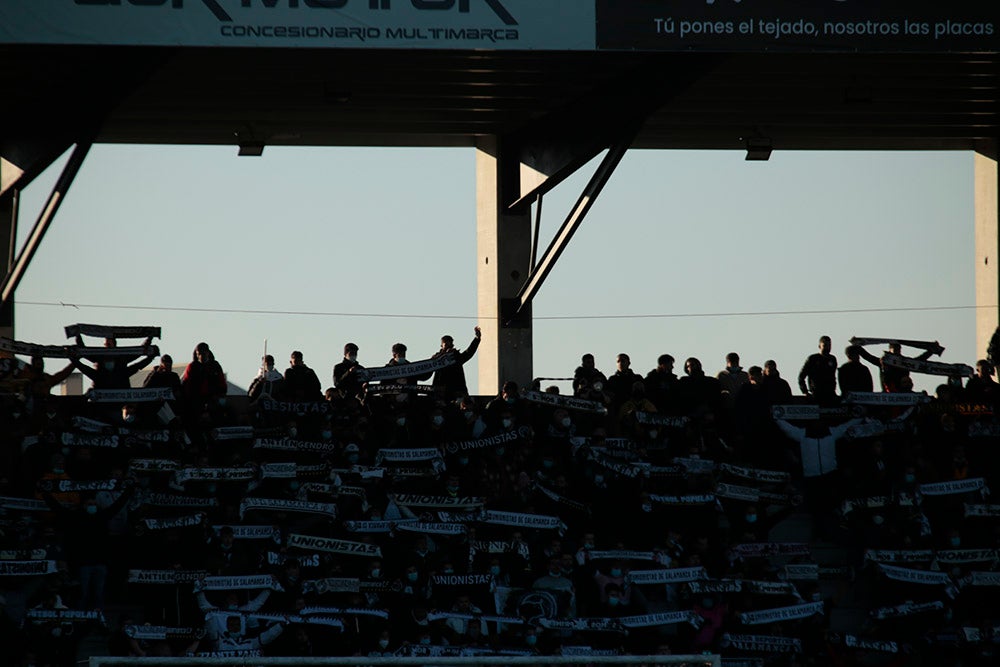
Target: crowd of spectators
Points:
(389, 515)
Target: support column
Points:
(8, 239)
(503, 256)
(987, 251)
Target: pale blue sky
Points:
(393, 231)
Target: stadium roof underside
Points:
(334, 97)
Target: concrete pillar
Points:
(8, 234)
(987, 252)
(503, 258)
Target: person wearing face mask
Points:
(345, 373)
(556, 582)
(216, 623)
(384, 646)
(613, 574)
(472, 425)
(399, 359)
(450, 380)
(88, 541)
(508, 401)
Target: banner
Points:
(229, 474)
(244, 583)
(272, 533)
(70, 485)
(982, 579)
(694, 499)
(656, 419)
(487, 618)
(223, 433)
(147, 395)
(423, 367)
(190, 521)
(566, 402)
(927, 367)
(762, 643)
(344, 611)
(574, 651)
(623, 469)
(916, 576)
(483, 443)
(153, 465)
(620, 554)
(168, 500)
(792, 26)
(166, 577)
(33, 350)
(521, 520)
(462, 579)
(22, 554)
(394, 389)
(911, 556)
(332, 585)
(957, 486)
(878, 645)
(432, 528)
(281, 505)
(499, 547)
(382, 526)
(288, 407)
(64, 616)
(756, 475)
(666, 576)
(331, 545)
(963, 556)
(907, 609)
(887, 399)
(161, 633)
(562, 500)
(802, 572)
(980, 510)
(665, 618)
(780, 614)
(108, 331)
(582, 625)
(767, 549)
(439, 502)
(88, 440)
(734, 492)
(424, 454)
(289, 445)
(26, 568)
(981, 429)
(91, 425)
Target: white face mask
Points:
(352, 357)
(468, 414)
(566, 421)
(438, 420)
(383, 643)
(401, 421)
(507, 423)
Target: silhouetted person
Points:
(818, 377)
(854, 375)
(450, 380)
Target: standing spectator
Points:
(344, 377)
(620, 384)
(111, 372)
(732, 377)
(854, 375)
(893, 378)
(451, 379)
(661, 383)
(301, 383)
(204, 382)
(587, 374)
(981, 387)
(269, 382)
(818, 377)
(696, 390)
(776, 388)
(163, 376)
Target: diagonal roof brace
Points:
(69, 172)
(579, 211)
